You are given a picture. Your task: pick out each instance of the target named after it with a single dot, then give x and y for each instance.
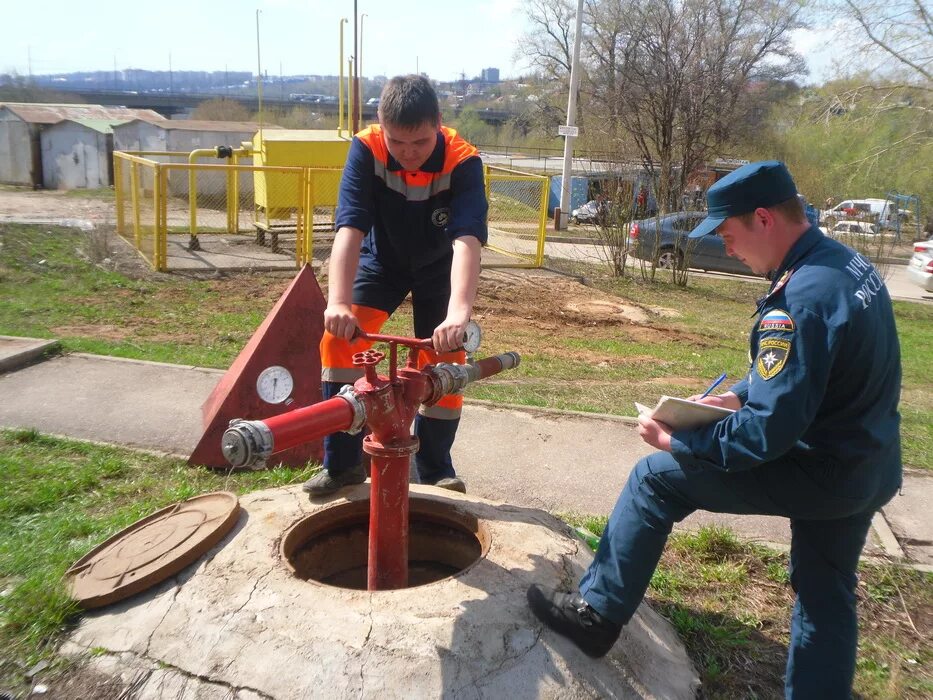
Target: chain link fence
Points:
(517, 217)
(170, 208)
(137, 189)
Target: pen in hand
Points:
(716, 382)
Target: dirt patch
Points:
(54, 204)
(104, 331)
(79, 682)
(561, 306)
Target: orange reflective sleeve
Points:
(337, 353)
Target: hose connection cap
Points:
(247, 443)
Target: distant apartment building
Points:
(490, 75)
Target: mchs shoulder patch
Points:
(776, 320)
(772, 355)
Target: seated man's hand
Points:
(726, 400)
(340, 321)
(655, 433)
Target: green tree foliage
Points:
(473, 128)
(848, 140)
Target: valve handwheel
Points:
(368, 358)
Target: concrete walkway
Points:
(560, 461)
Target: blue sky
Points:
(438, 37)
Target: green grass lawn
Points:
(60, 500)
(730, 602)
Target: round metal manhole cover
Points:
(152, 549)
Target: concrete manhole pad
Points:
(243, 624)
(152, 549)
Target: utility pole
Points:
(340, 112)
(171, 84)
(571, 130)
(359, 104)
(355, 116)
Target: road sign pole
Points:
(571, 120)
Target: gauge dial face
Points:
(274, 384)
(472, 335)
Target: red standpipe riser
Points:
(309, 423)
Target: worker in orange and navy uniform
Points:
(411, 218)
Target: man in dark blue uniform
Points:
(411, 218)
(814, 438)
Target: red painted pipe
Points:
(495, 364)
(309, 423)
(387, 566)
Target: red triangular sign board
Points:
(289, 337)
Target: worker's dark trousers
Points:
(377, 289)
(830, 508)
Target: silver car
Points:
(920, 267)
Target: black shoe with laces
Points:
(324, 482)
(568, 614)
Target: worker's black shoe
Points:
(324, 483)
(452, 483)
(568, 614)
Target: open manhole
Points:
(331, 546)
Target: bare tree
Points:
(901, 29)
(667, 80)
(548, 45)
(687, 69)
(665, 83)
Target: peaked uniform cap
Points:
(761, 184)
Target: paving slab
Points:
(227, 253)
(16, 352)
(908, 515)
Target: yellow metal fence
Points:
(517, 217)
(164, 202)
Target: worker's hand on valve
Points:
(448, 336)
(655, 433)
(340, 321)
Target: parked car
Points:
(852, 228)
(592, 212)
(671, 247)
(920, 267)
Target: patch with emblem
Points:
(776, 320)
(772, 355)
(440, 217)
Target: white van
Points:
(880, 210)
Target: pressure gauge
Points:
(472, 335)
(274, 384)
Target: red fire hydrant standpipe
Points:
(387, 405)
